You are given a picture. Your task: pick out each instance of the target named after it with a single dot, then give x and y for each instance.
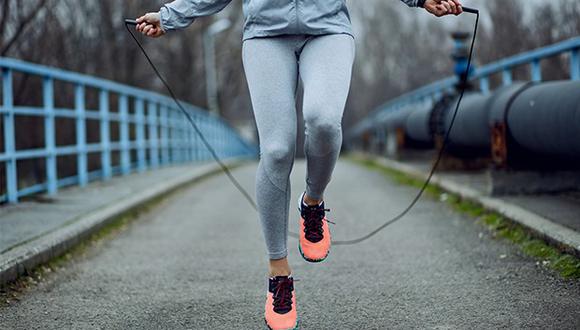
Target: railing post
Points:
(228, 136)
(484, 85)
(9, 137)
(140, 135)
(105, 135)
(172, 135)
(180, 128)
(195, 142)
(575, 64)
(232, 144)
(81, 135)
(220, 138)
(507, 77)
(216, 136)
(124, 134)
(164, 123)
(49, 135)
(536, 70)
(153, 141)
(174, 126)
(184, 154)
(210, 131)
(200, 145)
(179, 156)
(183, 144)
(188, 131)
(223, 137)
(208, 134)
(184, 137)
(189, 140)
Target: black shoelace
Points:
(313, 217)
(282, 294)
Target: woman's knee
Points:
(277, 155)
(320, 123)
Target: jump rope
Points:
(248, 197)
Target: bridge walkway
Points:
(197, 262)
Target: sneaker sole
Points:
(312, 260)
(295, 326)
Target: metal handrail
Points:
(482, 74)
(162, 134)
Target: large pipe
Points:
(396, 119)
(502, 100)
(545, 119)
(524, 124)
(418, 126)
(499, 105)
(393, 125)
(470, 133)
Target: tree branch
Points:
(22, 26)
(4, 19)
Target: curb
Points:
(565, 239)
(24, 258)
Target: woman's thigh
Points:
(325, 69)
(271, 70)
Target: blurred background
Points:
(398, 50)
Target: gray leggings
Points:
(273, 66)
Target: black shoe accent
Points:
(282, 288)
(313, 217)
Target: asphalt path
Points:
(198, 262)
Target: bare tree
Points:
(12, 26)
(397, 49)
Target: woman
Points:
(283, 41)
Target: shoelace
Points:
(313, 217)
(283, 296)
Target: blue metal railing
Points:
(505, 66)
(162, 134)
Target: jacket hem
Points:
(272, 34)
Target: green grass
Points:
(566, 265)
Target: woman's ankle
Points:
(280, 267)
(311, 201)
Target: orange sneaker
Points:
(281, 304)
(314, 244)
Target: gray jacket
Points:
(265, 18)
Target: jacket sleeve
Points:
(413, 3)
(180, 14)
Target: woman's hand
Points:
(443, 7)
(150, 25)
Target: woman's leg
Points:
(325, 68)
(272, 74)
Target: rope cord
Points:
(247, 195)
